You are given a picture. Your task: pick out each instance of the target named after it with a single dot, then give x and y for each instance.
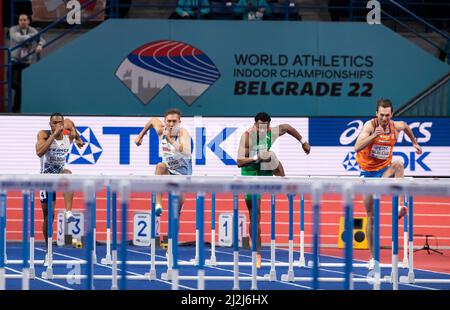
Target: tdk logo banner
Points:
(411, 161)
(110, 147)
(344, 131)
(126, 134)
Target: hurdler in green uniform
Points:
(262, 145)
(254, 148)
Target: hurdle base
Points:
(388, 279)
(32, 273)
(410, 278)
(301, 262)
(167, 276)
(211, 262)
(289, 277)
(48, 275)
(272, 276)
(194, 261)
(151, 275)
(106, 260)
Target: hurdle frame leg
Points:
(376, 242)
(236, 241)
(2, 240)
(114, 280)
(290, 276)
(151, 274)
(48, 273)
(405, 236)
(272, 276)
(107, 259)
(213, 260)
(301, 261)
(255, 221)
(168, 274)
(410, 278)
(394, 273)
(32, 271)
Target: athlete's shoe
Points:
(258, 261)
(69, 217)
(371, 264)
(158, 210)
(402, 211)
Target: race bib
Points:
(380, 151)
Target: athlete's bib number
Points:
(380, 151)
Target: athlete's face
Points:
(172, 121)
(56, 122)
(262, 127)
(384, 116)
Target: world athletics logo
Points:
(151, 67)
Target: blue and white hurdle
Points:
(124, 185)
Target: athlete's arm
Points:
(153, 122)
(70, 126)
(44, 140)
(244, 151)
(184, 146)
(286, 128)
(367, 135)
(402, 126)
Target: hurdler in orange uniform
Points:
(374, 148)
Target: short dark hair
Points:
(263, 117)
(56, 114)
(24, 14)
(172, 111)
(385, 103)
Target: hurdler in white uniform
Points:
(174, 146)
(177, 162)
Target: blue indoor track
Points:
(14, 252)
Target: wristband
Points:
(303, 141)
(255, 158)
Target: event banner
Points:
(110, 147)
(230, 68)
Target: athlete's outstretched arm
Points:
(286, 128)
(402, 126)
(367, 135)
(70, 126)
(153, 122)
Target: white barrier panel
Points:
(75, 229)
(142, 228)
(226, 229)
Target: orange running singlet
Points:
(378, 154)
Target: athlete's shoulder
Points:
(44, 134)
(370, 124)
(398, 124)
(184, 131)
